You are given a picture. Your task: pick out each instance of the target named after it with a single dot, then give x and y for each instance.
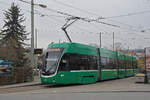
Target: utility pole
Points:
(36, 38)
(32, 36)
(100, 40)
(113, 42)
(36, 56)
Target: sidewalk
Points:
(36, 81)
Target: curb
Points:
(21, 85)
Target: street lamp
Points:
(41, 5)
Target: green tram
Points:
(74, 63)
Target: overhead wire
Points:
(81, 18)
(37, 12)
(42, 14)
(55, 19)
(79, 9)
(59, 13)
(52, 17)
(108, 18)
(89, 20)
(60, 21)
(69, 15)
(66, 14)
(129, 14)
(84, 19)
(88, 12)
(25, 1)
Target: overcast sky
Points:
(131, 16)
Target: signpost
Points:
(147, 64)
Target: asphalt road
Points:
(79, 96)
(122, 89)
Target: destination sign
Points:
(38, 51)
(53, 49)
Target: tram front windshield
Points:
(51, 61)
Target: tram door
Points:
(99, 64)
(125, 66)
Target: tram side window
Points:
(135, 64)
(104, 61)
(92, 62)
(132, 65)
(129, 65)
(78, 62)
(107, 63)
(111, 63)
(121, 64)
(64, 63)
(115, 63)
(82, 62)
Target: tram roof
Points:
(79, 48)
(112, 54)
(107, 53)
(75, 48)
